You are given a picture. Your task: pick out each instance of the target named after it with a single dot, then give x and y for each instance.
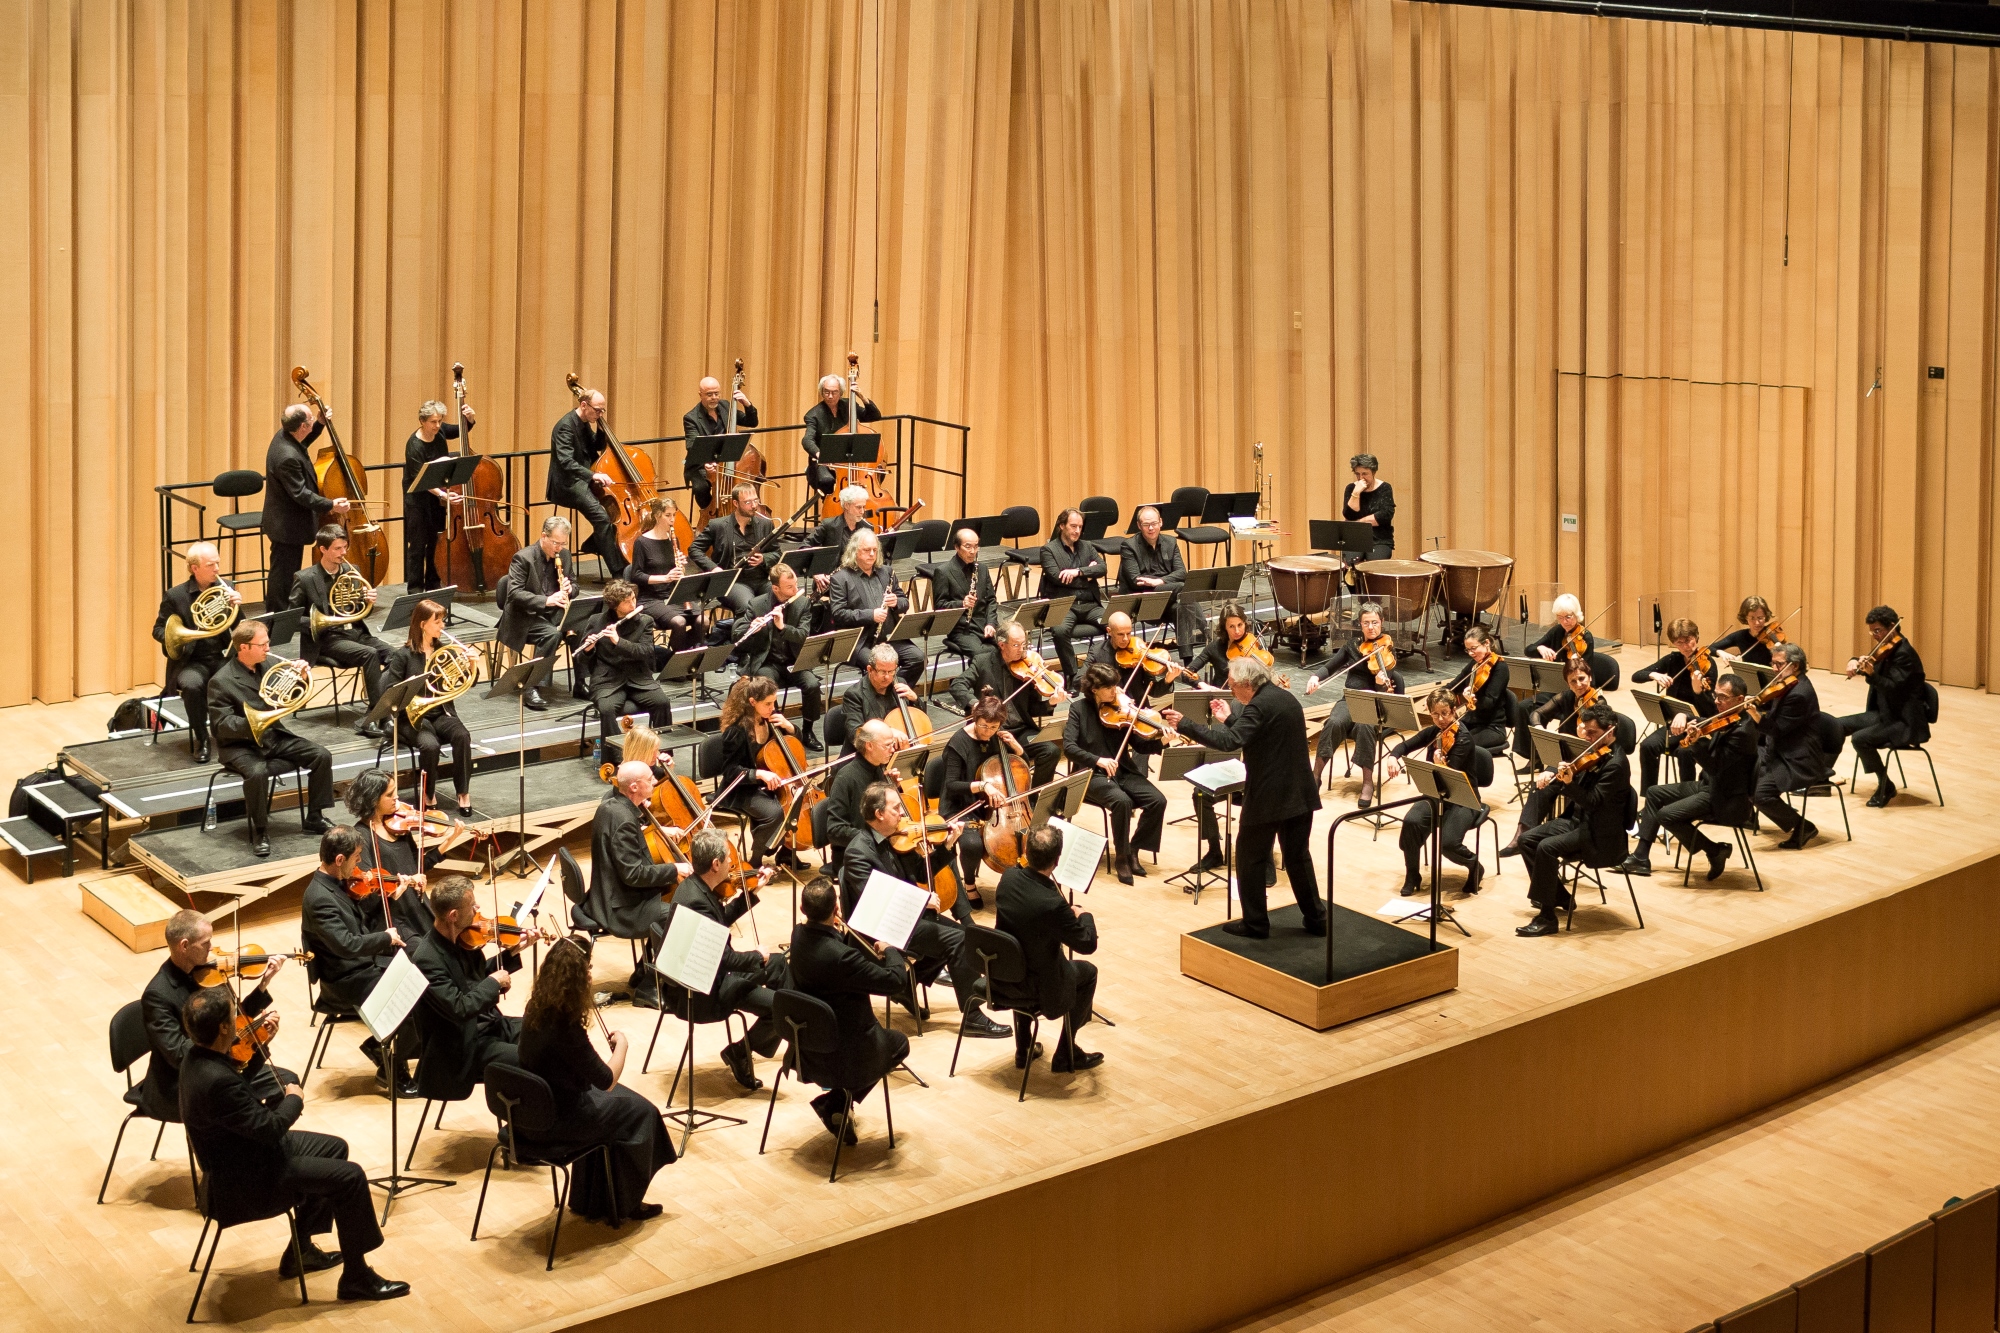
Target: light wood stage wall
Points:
(1645, 274)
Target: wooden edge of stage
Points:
(1313, 1186)
(1316, 1006)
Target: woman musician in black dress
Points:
(1447, 741)
(386, 843)
(438, 726)
(750, 717)
(1368, 665)
(658, 560)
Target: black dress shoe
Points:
(737, 1056)
(1801, 835)
(316, 824)
(1024, 1056)
(978, 1024)
(1077, 1062)
(368, 1285)
(1270, 874)
(260, 845)
(1543, 924)
(811, 737)
(1885, 792)
(1212, 861)
(203, 751)
(1315, 926)
(371, 730)
(1138, 866)
(1633, 865)
(644, 997)
(1121, 865)
(534, 702)
(1411, 884)
(645, 1212)
(317, 1260)
(1473, 875)
(1718, 855)
(406, 1088)
(1246, 930)
(831, 1119)
(1511, 849)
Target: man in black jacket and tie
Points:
(200, 658)
(1279, 794)
(294, 509)
(235, 687)
(748, 980)
(189, 936)
(1153, 563)
(706, 420)
(1898, 711)
(351, 946)
(828, 964)
(348, 645)
(257, 1163)
(829, 416)
(1728, 760)
(576, 442)
(535, 593)
(464, 1030)
(1790, 755)
(628, 888)
(1592, 822)
(1043, 921)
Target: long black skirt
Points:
(640, 1146)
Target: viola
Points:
(378, 882)
(1158, 662)
(1146, 723)
(1378, 655)
(1866, 663)
(478, 541)
(1248, 646)
(249, 963)
(253, 1037)
(1571, 769)
(505, 931)
(1445, 741)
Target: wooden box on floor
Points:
(1376, 966)
(130, 909)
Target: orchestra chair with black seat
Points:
(524, 1107)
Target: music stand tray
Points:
(899, 545)
(1760, 676)
(909, 760)
(1450, 787)
(393, 698)
(835, 646)
(1067, 791)
(284, 625)
(406, 605)
(1543, 676)
(1661, 709)
(1218, 581)
(924, 624)
(861, 446)
(705, 449)
(1141, 606)
(1555, 747)
(445, 470)
(1327, 534)
(811, 560)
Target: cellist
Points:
(984, 736)
(628, 887)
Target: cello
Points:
(339, 479)
(868, 476)
(785, 755)
(748, 468)
(477, 543)
(631, 480)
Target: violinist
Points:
(1367, 665)
(1072, 567)
(233, 688)
(658, 560)
(622, 675)
(960, 582)
(258, 1164)
(423, 511)
(705, 420)
(294, 509)
(992, 670)
(540, 581)
(828, 962)
(839, 530)
(828, 416)
(1687, 674)
(1152, 563)
(769, 649)
(1233, 638)
(874, 746)
(1563, 713)
(1567, 637)
(459, 1016)
(351, 946)
(440, 725)
(1789, 755)
(576, 443)
(875, 695)
(628, 888)
(1368, 499)
(1596, 788)
(735, 541)
(201, 658)
(1728, 759)
(1447, 741)
(749, 716)
(189, 940)
(349, 645)
(983, 737)
(1752, 640)
(1482, 688)
(935, 943)
(748, 980)
(1034, 910)
(1116, 758)
(1898, 711)
(389, 842)
(864, 592)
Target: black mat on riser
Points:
(1361, 944)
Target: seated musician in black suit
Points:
(769, 647)
(231, 690)
(1675, 675)
(628, 888)
(257, 1162)
(1116, 758)
(537, 590)
(1448, 741)
(200, 658)
(348, 645)
(875, 695)
(1593, 820)
(1152, 563)
(874, 745)
(1044, 922)
(748, 978)
(839, 529)
(1562, 713)
(829, 416)
(829, 963)
(1728, 760)
(1072, 567)
(1027, 710)
(1789, 754)
(623, 678)
(189, 937)
(1898, 711)
(464, 1030)
(935, 942)
(864, 592)
(960, 582)
(706, 420)
(732, 541)
(351, 945)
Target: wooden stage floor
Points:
(1182, 1056)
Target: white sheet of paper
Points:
(393, 997)
(889, 909)
(1082, 853)
(534, 898)
(1417, 904)
(692, 953)
(1222, 773)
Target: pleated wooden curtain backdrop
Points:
(1644, 274)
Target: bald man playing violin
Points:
(351, 944)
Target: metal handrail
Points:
(1437, 876)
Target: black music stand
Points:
(696, 663)
(284, 625)
(1063, 797)
(702, 586)
(1556, 747)
(444, 470)
(1144, 607)
(919, 625)
(1223, 795)
(1175, 763)
(807, 561)
(721, 449)
(390, 703)
(1350, 539)
(899, 545)
(406, 606)
(517, 680)
(1544, 676)
(1445, 786)
(396, 1182)
(861, 448)
(1660, 710)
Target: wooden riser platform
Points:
(1376, 967)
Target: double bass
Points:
(631, 480)
(477, 543)
(868, 476)
(728, 476)
(339, 479)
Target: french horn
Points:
(283, 688)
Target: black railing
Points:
(1437, 879)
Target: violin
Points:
(1146, 723)
(1866, 663)
(1159, 663)
(1034, 669)
(1378, 655)
(505, 931)
(1445, 741)
(1480, 674)
(377, 881)
(250, 963)
(1248, 646)
(1714, 724)
(1576, 644)
(1570, 769)
(406, 819)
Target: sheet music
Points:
(401, 986)
(1082, 853)
(534, 898)
(692, 953)
(889, 909)
(1214, 777)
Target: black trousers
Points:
(1543, 849)
(287, 558)
(1524, 744)
(749, 992)
(699, 486)
(1211, 827)
(428, 738)
(1416, 835)
(1065, 633)
(1538, 808)
(812, 701)
(818, 475)
(1652, 750)
(191, 681)
(739, 597)
(1674, 806)
(682, 623)
(1041, 755)
(1774, 778)
(333, 1192)
(365, 651)
(614, 699)
(1870, 734)
(420, 534)
(765, 812)
(965, 639)
(409, 1036)
(603, 539)
(1253, 859)
(281, 753)
(909, 658)
(1341, 727)
(938, 942)
(1120, 797)
(1080, 1008)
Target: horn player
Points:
(200, 657)
(439, 725)
(236, 686)
(343, 645)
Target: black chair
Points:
(236, 485)
(128, 1043)
(1170, 516)
(1000, 959)
(1100, 504)
(294, 771)
(933, 535)
(1741, 832)
(695, 1011)
(222, 1220)
(707, 760)
(1192, 501)
(1593, 864)
(809, 1025)
(523, 1105)
(1898, 751)
(1831, 738)
(1016, 522)
(831, 856)
(327, 1013)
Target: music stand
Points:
(1143, 607)
(1175, 763)
(1035, 615)
(705, 449)
(899, 545)
(1063, 796)
(807, 561)
(1759, 675)
(695, 664)
(1213, 583)
(388, 704)
(395, 993)
(925, 624)
(1389, 715)
(1445, 786)
(835, 647)
(908, 760)
(444, 470)
(1544, 676)
(1555, 747)
(1194, 703)
(845, 450)
(1660, 710)
(517, 680)
(284, 625)
(701, 586)
(1350, 539)
(406, 605)
(1223, 794)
